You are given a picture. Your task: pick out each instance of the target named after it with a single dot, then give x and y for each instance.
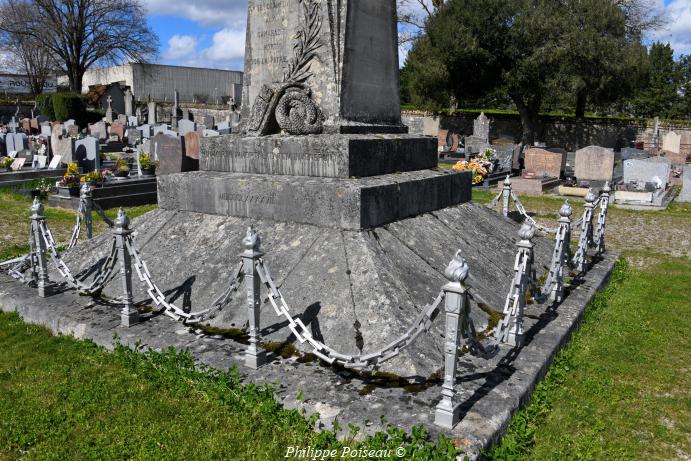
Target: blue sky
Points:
(211, 33)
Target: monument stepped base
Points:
(351, 204)
(358, 290)
(334, 156)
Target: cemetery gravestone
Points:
(223, 127)
(152, 113)
(630, 152)
(481, 127)
(109, 110)
(17, 142)
(671, 142)
(134, 136)
(650, 170)
(132, 120)
(191, 140)
(46, 129)
(128, 103)
(146, 131)
(208, 121)
(88, 154)
(543, 163)
(73, 131)
(168, 151)
(685, 195)
(122, 119)
(210, 133)
(98, 130)
(117, 129)
(64, 148)
(594, 163)
(185, 126)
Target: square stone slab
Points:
(326, 202)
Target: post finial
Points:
(607, 188)
(507, 181)
(527, 232)
(37, 207)
(252, 241)
(565, 211)
(122, 221)
(590, 196)
(457, 270)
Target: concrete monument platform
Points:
(334, 156)
(327, 202)
(357, 290)
(490, 391)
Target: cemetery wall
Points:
(7, 111)
(567, 133)
(160, 81)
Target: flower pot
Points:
(91, 184)
(149, 172)
(122, 174)
(71, 191)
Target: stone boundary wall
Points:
(567, 133)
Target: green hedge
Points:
(69, 105)
(44, 102)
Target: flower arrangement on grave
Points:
(5, 162)
(97, 177)
(71, 176)
(122, 168)
(480, 167)
(146, 163)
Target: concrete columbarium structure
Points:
(348, 232)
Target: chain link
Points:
(171, 309)
(99, 281)
(421, 324)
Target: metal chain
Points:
(77, 226)
(171, 309)
(494, 202)
(521, 210)
(101, 213)
(16, 267)
(99, 281)
(329, 355)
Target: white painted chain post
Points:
(255, 356)
(448, 410)
(602, 219)
(581, 258)
(87, 206)
(45, 286)
(121, 229)
(506, 196)
(561, 255)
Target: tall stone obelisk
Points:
(336, 59)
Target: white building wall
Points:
(160, 81)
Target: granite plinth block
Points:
(333, 156)
(326, 202)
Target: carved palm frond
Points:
(306, 44)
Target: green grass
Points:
(15, 223)
(620, 389)
(70, 400)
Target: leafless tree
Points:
(642, 16)
(79, 34)
(33, 60)
(413, 14)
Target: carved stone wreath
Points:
(287, 106)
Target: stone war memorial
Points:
(323, 225)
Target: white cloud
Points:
(208, 13)
(226, 51)
(227, 45)
(180, 46)
(678, 30)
